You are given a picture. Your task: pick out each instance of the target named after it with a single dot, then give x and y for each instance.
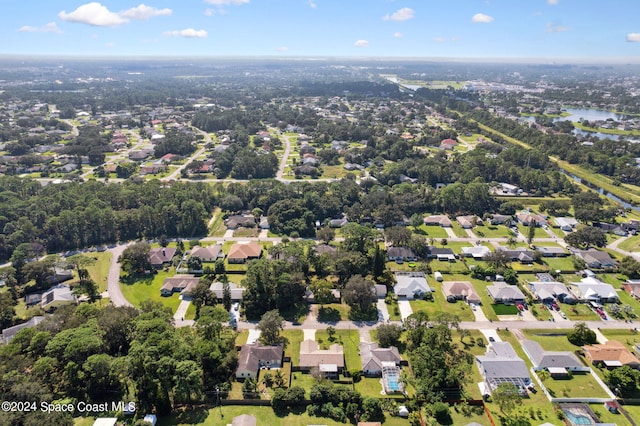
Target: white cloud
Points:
(98, 15)
(187, 33)
(143, 12)
(403, 14)
(553, 2)
(209, 12)
(109, 44)
(312, 4)
(397, 35)
(282, 49)
(361, 43)
(439, 39)
(633, 37)
(93, 14)
(553, 27)
(482, 18)
(51, 27)
(227, 2)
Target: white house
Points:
(410, 285)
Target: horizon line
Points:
(328, 58)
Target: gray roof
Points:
(501, 291)
(372, 356)
(548, 359)
(502, 363)
(408, 283)
(218, 289)
(10, 332)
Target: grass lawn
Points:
(264, 415)
(456, 246)
(294, 337)
(333, 312)
(492, 231)
(607, 417)
(440, 305)
(501, 309)
(580, 385)
(246, 232)
(559, 232)
(559, 263)
(350, 341)
(551, 340)
(446, 267)
(217, 228)
(99, 270)
(334, 172)
(477, 415)
(524, 231)
(242, 337)
(432, 231)
(579, 312)
(630, 244)
(148, 288)
(394, 311)
(191, 312)
(458, 230)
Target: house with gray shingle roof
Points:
(555, 362)
(501, 364)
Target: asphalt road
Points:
(113, 279)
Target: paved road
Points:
(285, 156)
(113, 280)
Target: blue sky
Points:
(549, 29)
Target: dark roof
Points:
(158, 256)
(400, 252)
(251, 354)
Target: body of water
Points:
(578, 114)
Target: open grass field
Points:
(350, 341)
(294, 338)
(148, 288)
(492, 231)
(335, 172)
(440, 305)
(580, 385)
(559, 263)
(99, 269)
(579, 312)
(551, 340)
(433, 232)
(264, 415)
(630, 244)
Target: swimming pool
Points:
(577, 418)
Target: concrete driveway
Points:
(405, 308)
(383, 310)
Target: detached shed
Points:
(438, 276)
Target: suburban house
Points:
(324, 248)
(527, 218)
(335, 293)
(217, 289)
(57, 296)
(508, 189)
(329, 362)
(504, 293)
(477, 252)
(441, 253)
(382, 362)
(240, 220)
(468, 222)
(58, 276)
(557, 363)
(551, 251)
(632, 287)
(612, 354)
(410, 285)
(373, 357)
(448, 144)
(401, 254)
(338, 222)
(548, 291)
(209, 253)
(460, 290)
(567, 224)
(10, 332)
(161, 256)
(243, 252)
(254, 356)
(501, 364)
(183, 284)
(499, 219)
(595, 259)
(519, 254)
(591, 289)
(438, 220)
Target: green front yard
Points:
(492, 231)
(630, 244)
(433, 232)
(564, 264)
(440, 305)
(579, 312)
(148, 287)
(350, 341)
(99, 270)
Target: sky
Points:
(595, 30)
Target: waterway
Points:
(618, 200)
(578, 114)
